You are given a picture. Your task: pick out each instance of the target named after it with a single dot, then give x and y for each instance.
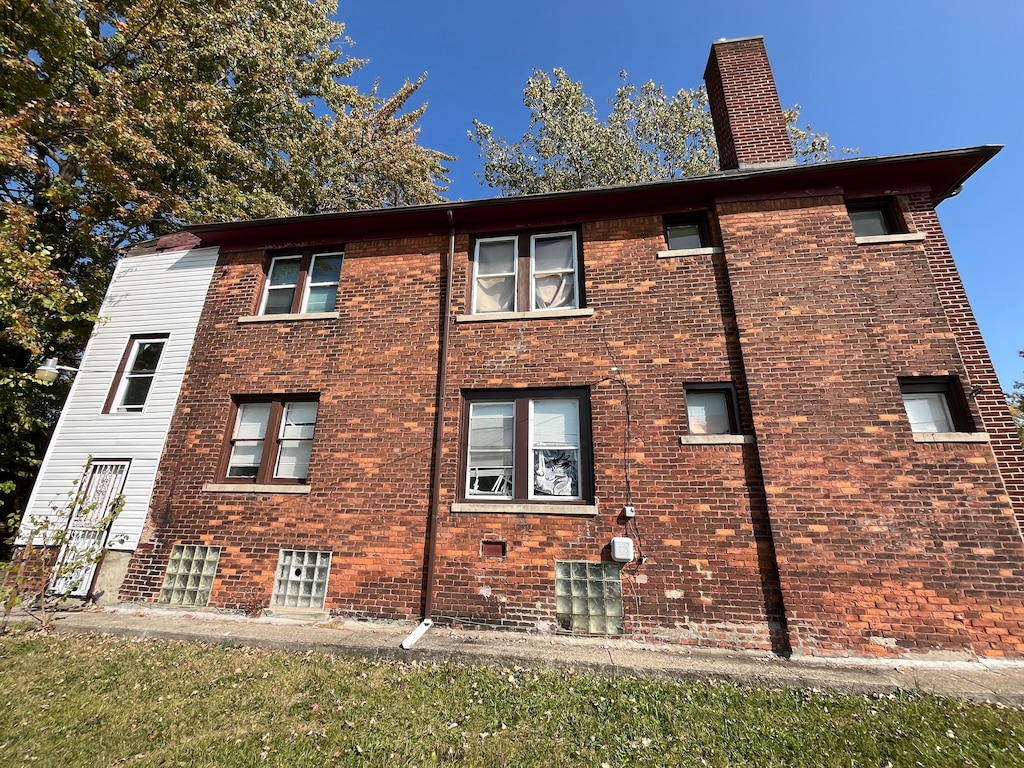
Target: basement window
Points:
(301, 580)
(588, 597)
(189, 576)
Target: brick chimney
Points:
(749, 126)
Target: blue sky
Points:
(887, 77)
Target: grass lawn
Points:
(76, 701)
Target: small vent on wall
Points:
(493, 548)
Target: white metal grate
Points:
(301, 579)
(189, 576)
(588, 597)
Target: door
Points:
(88, 528)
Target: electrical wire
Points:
(627, 460)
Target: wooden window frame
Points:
(300, 298)
(119, 384)
(522, 459)
(272, 433)
(524, 298)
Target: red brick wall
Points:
(662, 324)
(749, 124)
(835, 531)
(981, 376)
(885, 545)
(375, 371)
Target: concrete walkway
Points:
(990, 681)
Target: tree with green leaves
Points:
(1016, 401)
(647, 136)
(121, 120)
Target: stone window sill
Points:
(255, 488)
(524, 508)
(689, 252)
(716, 439)
(895, 237)
(541, 314)
(951, 437)
(302, 316)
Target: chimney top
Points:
(749, 125)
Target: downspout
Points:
(434, 512)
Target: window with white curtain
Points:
(526, 273)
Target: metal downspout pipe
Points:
(434, 512)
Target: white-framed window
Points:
(136, 374)
(928, 412)
(272, 440)
(526, 273)
(711, 409)
(935, 404)
(553, 271)
(302, 283)
(528, 446)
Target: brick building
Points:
(745, 410)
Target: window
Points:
(301, 283)
(686, 232)
(282, 458)
(189, 576)
(935, 405)
(301, 580)
(588, 597)
(711, 409)
(526, 273)
(872, 218)
(528, 446)
(135, 374)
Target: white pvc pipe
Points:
(416, 634)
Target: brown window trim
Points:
(305, 256)
(522, 461)
(122, 367)
(524, 290)
(265, 472)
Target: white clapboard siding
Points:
(159, 293)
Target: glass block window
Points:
(189, 576)
(588, 597)
(301, 580)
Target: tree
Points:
(122, 120)
(1016, 401)
(647, 136)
